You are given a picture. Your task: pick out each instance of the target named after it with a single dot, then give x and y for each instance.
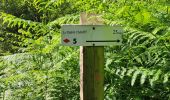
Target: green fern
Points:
(134, 77)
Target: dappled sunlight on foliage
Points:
(34, 65)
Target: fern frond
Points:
(138, 36)
(166, 77)
(136, 73)
(143, 77)
(68, 19)
(12, 21)
(152, 75)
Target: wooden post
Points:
(91, 66)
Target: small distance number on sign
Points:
(74, 40)
(66, 40)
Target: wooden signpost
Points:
(92, 39)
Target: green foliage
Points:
(40, 69)
(143, 60)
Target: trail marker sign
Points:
(91, 35)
